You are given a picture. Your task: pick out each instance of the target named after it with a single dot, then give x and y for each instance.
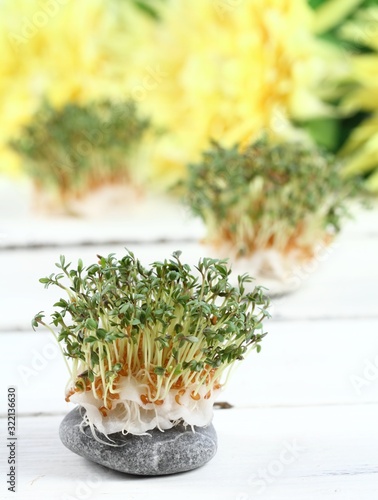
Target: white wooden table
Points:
(304, 422)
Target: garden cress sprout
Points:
(151, 347)
(278, 200)
(77, 148)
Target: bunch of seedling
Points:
(150, 347)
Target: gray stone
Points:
(175, 450)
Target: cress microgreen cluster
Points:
(282, 196)
(76, 148)
(163, 326)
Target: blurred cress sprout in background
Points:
(71, 52)
(77, 149)
(270, 203)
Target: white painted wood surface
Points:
(278, 453)
(314, 386)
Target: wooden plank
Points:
(286, 453)
(122, 218)
(301, 363)
(344, 283)
(147, 218)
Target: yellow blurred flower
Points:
(229, 69)
(222, 69)
(63, 51)
(362, 145)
